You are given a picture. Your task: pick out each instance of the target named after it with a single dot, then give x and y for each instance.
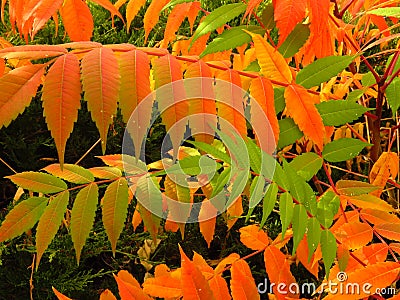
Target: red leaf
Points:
(287, 14)
(300, 106)
(77, 20)
(61, 100)
(17, 88)
(100, 78)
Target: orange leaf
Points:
(132, 9)
(385, 167)
(128, 290)
(17, 88)
(389, 230)
(61, 100)
(167, 70)
(300, 106)
(273, 65)
(234, 212)
(109, 6)
(194, 286)
(251, 5)
(59, 295)
(278, 270)
(100, 78)
(193, 12)
(230, 102)
(242, 282)
(395, 247)
(32, 52)
(107, 295)
(311, 265)
(230, 259)
(165, 284)
(135, 86)
(354, 235)
(253, 237)
(375, 216)
(204, 108)
(151, 16)
(207, 227)
(261, 89)
(77, 20)
(175, 19)
(287, 14)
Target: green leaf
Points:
(368, 79)
(267, 16)
(256, 191)
(38, 182)
(339, 112)
(82, 216)
(115, 209)
(211, 150)
(328, 206)
(279, 99)
(71, 173)
(217, 18)
(328, 249)
(322, 70)
(221, 181)
(392, 95)
(49, 223)
(299, 225)
(22, 217)
(240, 178)
(307, 165)
(313, 235)
(295, 40)
(253, 67)
(386, 12)
(289, 132)
(343, 149)
(355, 95)
(269, 202)
(232, 38)
(191, 165)
(286, 211)
(175, 2)
(280, 177)
(354, 187)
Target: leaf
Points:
(129, 289)
(109, 6)
(61, 97)
(217, 18)
(77, 20)
(343, 149)
(71, 173)
(370, 201)
(392, 92)
(132, 10)
(385, 12)
(269, 201)
(295, 40)
(32, 52)
(17, 88)
(82, 216)
(299, 225)
(107, 295)
(253, 237)
(165, 283)
(115, 209)
(328, 248)
(59, 295)
(211, 150)
(100, 79)
(328, 205)
(261, 89)
(242, 282)
(207, 227)
(375, 216)
(354, 235)
(385, 167)
(273, 64)
(306, 165)
(175, 2)
(195, 284)
(231, 38)
(251, 6)
(50, 222)
(151, 16)
(313, 235)
(339, 112)
(278, 270)
(22, 217)
(289, 132)
(288, 13)
(38, 182)
(354, 187)
(135, 87)
(286, 210)
(175, 20)
(322, 70)
(389, 230)
(300, 106)
(105, 172)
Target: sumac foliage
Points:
(307, 64)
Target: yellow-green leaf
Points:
(71, 173)
(38, 182)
